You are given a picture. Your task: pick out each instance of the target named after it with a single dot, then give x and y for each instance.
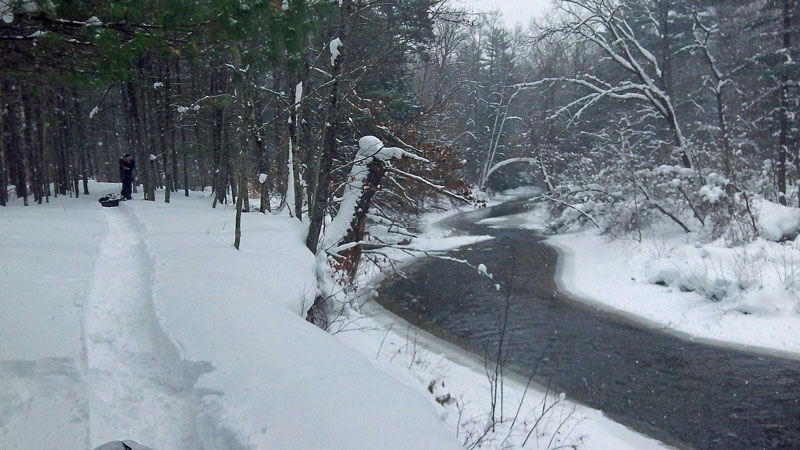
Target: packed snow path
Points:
(139, 387)
(684, 393)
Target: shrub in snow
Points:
(623, 200)
(768, 303)
(666, 273)
(662, 272)
(777, 222)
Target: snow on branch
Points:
(561, 202)
(428, 183)
(531, 161)
(604, 24)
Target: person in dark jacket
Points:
(126, 167)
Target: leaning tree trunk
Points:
(356, 231)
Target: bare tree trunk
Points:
(80, 146)
(45, 156)
(13, 142)
(137, 141)
(783, 92)
(3, 171)
(220, 177)
(263, 159)
(3, 176)
(296, 152)
(30, 144)
(330, 150)
(239, 203)
(41, 142)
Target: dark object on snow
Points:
(127, 166)
(109, 200)
(122, 445)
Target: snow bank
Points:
(46, 267)
(777, 222)
(285, 383)
(47, 256)
(746, 296)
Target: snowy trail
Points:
(140, 388)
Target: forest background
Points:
(626, 113)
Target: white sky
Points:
(514, 11)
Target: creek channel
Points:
(687, 394)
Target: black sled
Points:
(109, 200)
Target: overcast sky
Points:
(514, 11)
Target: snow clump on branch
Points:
(334, 46)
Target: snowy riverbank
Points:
(743, 297)
(457, 380)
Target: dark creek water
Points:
(687, 394)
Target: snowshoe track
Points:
(140, 388)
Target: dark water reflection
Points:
(687, 394)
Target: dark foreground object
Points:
(109, 200)
(687, 394)
(122, 445)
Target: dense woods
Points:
(631, 111)
(624, 111)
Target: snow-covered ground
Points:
(745, 297)
(142, 322)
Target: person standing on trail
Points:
(126, 167)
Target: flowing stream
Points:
(687, 394)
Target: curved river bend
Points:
(686, 394)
